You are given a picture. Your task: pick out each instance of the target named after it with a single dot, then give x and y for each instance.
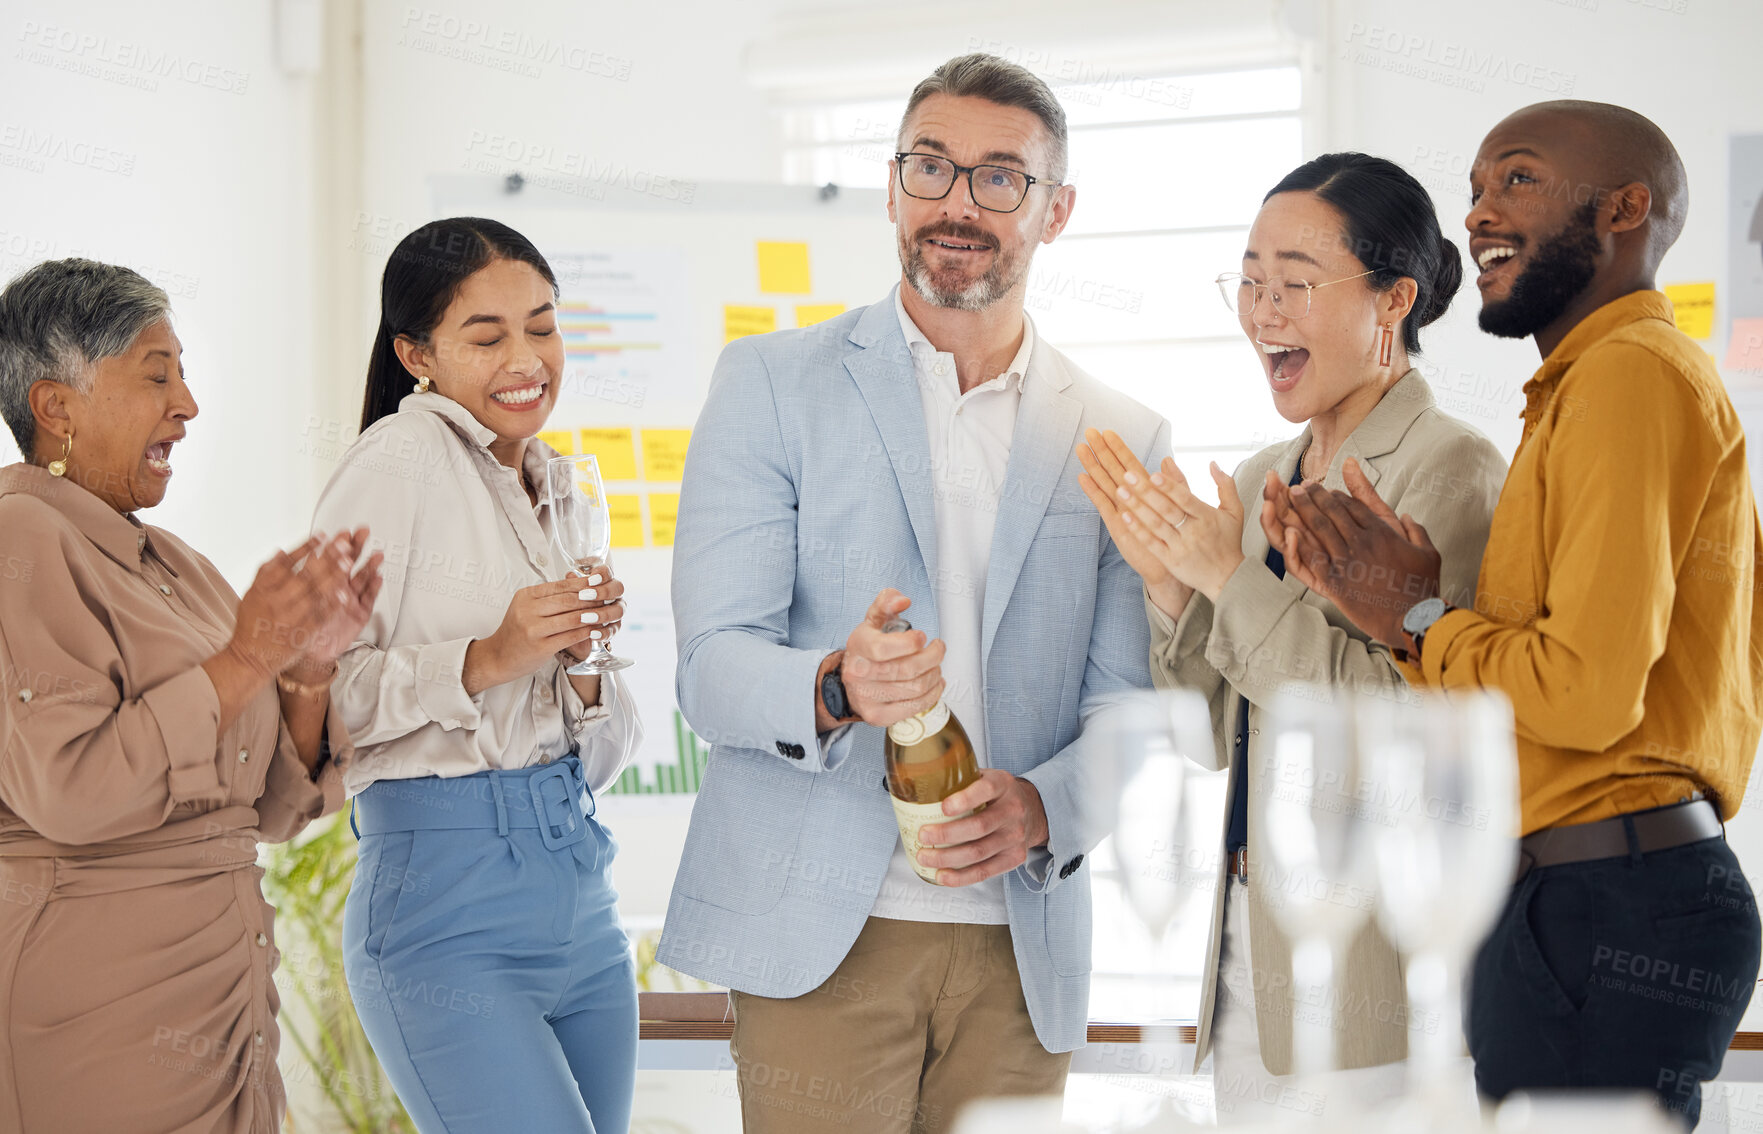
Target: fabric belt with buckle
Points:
(553, 797)
(1634, 834)
(1237, 863)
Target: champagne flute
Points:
(581, 526)
(1153, 738)
(1447, 771)
(1139, 794)
(1314, 843)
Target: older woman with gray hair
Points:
(154, 727)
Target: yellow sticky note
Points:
(739, 322)
(783, 267)
(562, 440)
(808, 314)
(1692, 304)
(663, 515)
(613, 449)
(627, 520)
(664, 453)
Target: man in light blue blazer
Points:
(911, 457)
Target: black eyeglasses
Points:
(995, 188)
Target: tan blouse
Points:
(135, 946)
(460, 537)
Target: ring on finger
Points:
(1184, 519)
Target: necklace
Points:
(1303, 461)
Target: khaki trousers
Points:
(919, 1019)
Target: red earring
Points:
(1387, 345)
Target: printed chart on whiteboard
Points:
(630, 392)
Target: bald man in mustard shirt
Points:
(1616, 608)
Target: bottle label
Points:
(913, 817)
(914, 729)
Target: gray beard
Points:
(975, 296)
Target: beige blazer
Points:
(1265, 631)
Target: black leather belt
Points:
(1658, 829)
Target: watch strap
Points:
(1419, 636)
(832, 692)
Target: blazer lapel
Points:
(1255, 545)
(1379, 434)
(1046, 433)
(1383, 429)
(882, 369)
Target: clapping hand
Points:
(1352, 548)
(353, 591)
(296, 601)
(1163, 529)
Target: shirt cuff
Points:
(440, 685)
(337, 754)
(1438, 643)
(1161, 624)
(578, 715)
(187, 710)
(827, 739)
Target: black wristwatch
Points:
(832, 693)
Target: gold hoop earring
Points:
(422, 385)
(59, 467)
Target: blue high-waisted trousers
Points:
(484, 954)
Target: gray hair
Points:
(58, 320)
(996, 80)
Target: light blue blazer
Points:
(808, 489)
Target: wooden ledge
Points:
(705, 1016)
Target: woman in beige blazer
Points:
(154, 728)
(1345, 263)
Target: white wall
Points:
(1691, 70)
(165, 136)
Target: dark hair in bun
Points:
(1390, 226)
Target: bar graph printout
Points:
(626, 338)
(631, 373)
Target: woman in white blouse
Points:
(481, 937)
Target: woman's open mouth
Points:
(1286, 364)
(159, 458)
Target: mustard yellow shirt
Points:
(1616, 604)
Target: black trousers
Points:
(1620, 973)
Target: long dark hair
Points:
(423, 274)
(1391, 227)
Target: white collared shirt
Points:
(970, 437)
(460, 537)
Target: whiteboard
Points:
(646, 268)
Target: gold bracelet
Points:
(300, 689)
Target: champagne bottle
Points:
(929, 758)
